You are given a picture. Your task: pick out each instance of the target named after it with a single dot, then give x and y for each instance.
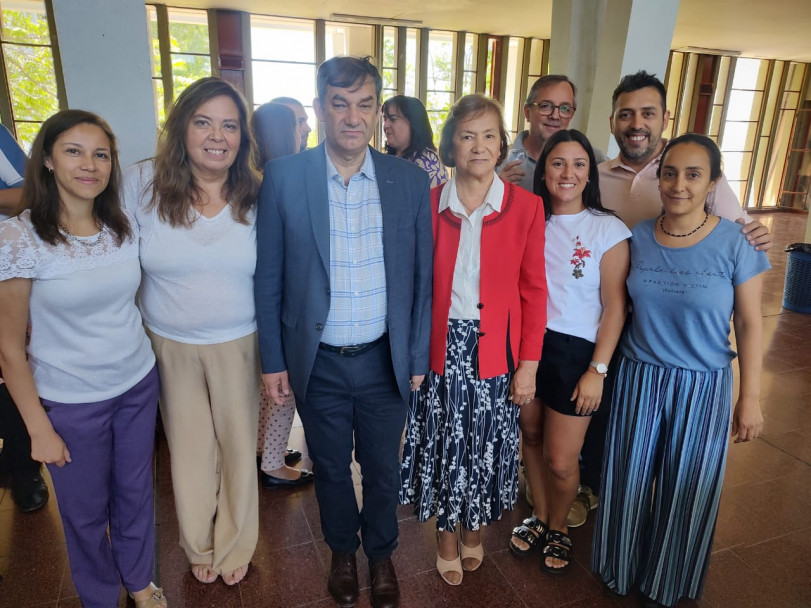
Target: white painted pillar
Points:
(597, 42)
(105, 47)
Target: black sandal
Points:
(532, 530)
(558, 546)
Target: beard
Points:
(637, 154)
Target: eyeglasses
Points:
(546, 108)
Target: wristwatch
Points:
(601, 368)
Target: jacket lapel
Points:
(387, 184)
(318, 201)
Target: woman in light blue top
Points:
(670, 417)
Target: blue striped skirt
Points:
(664, 466)
(460, 458)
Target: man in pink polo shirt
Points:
(628, 183)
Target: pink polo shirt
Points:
(635, 196)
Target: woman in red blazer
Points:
(460, 460)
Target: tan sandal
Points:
(156, 600)
(471, 553)
(446, 567)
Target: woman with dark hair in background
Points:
(88, 394)
(586, 264)
(409, 135)
(671, 406)
(195, 205)
(274, 128)
(460, 460)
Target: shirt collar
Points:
(450, 199)
(367, 168)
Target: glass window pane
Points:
(438, 105)
(440, 61)
(349, 39)
(152, 17)
(468, 83)
(26, 132)
(188, 30)
(188, 68)
(795, 82)
(389, 47)
(389, 78)
(757, 176)
(736, 165)
(282, 39)
(744, 105)
(723, 76)
(471, 46)
(26, 22)
(790, 101)
(157, 88)
(536, 56)
(283, 79)
(30, 68)
(739, 136)
(749, 73)
(412, 45)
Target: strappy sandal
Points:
(532, 530)
(156, 600)
(558, 546)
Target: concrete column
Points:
(105, 47)
(597, 42)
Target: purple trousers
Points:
(108, 483)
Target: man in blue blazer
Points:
(343, 304)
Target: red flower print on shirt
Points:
(579, 258)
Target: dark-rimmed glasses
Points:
(546, 108)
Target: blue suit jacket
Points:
(292, 284)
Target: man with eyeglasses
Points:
(550, 106)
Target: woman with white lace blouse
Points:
(88, 394)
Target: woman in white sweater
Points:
(195, 208)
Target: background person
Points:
(275, 131)
(28, 489)
(586, 265)
(409, 136)
(550, 106)
(195, 207)
(670, 415)
(88, 394)
(460, 460)
(303, 129)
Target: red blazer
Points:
(512, 288)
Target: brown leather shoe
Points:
(385, 590)
(343, 579)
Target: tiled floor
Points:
(762, 547)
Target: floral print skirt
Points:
(460, 458)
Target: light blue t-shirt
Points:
(683, 297)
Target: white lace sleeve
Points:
(19, 256)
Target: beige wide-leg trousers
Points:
(209, 404)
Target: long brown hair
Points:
(40, 192)
(173, 188)
(274, 129)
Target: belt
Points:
(353, 350)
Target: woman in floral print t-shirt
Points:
(586, 257)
